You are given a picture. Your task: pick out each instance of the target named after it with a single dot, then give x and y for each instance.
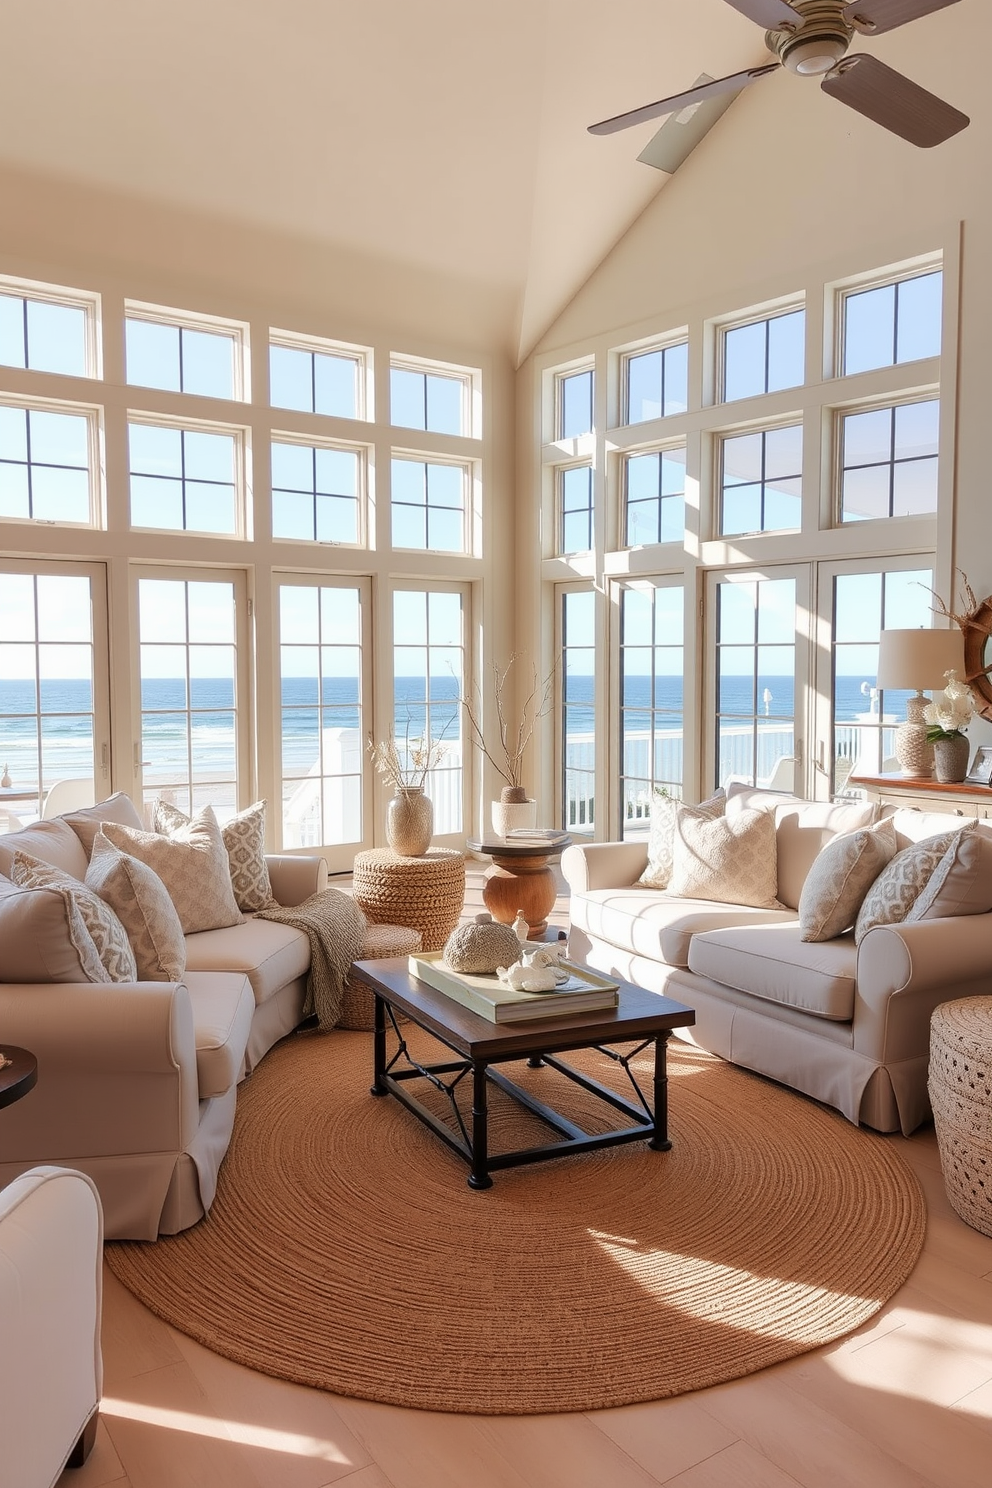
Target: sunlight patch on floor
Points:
(244, 1432)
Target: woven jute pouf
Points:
(960, 1085)
(425, 893)
(358, 1003)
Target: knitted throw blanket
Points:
(336, 929)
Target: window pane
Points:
(869, 329)
(917, 430)
(744, 374)
(444, 404)
(409, 482)
(209, 507)
(644, 387)
(676, 378)
(155, 451)
(577, 719)
(407, 398)
(15, 500)
(209, 456)
(914, 488)
(208, 363)
(292, 467)
(787, 350)
(59, 438)
(156, 502)
(152, 352)
(292, 515)
(337, 519)
(56, 338)
(12, 350)
(60, 495)
(919, 323)
(868, 437)
(575, 405)
(291, 378)
(336, 385)
(13, 434)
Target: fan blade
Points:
(876, 16)
(679, 101)
(682, 132)
(774, 15)
(886, 97)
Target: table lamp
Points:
(917, 659)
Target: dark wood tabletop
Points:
(17, 1077)
(637, 1014)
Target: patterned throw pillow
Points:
(244, 838)
(729, 860)
(661, 842)
(141, 902)
(104, 950)
(841, 875)
(900, 884)
(193, 866)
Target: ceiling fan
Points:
(810, 38)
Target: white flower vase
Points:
(950, 759)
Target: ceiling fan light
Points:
(813, 58)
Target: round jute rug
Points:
(345, 1250)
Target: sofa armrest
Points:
(294, 878)
(905, 971)
(603, 865)
(116, 1069)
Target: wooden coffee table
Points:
(642, 1018)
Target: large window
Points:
(184, 479)
(321, 666)
(654, 488)
(656, 383)
(652, 690)
(45, 333)
(429, 504)
(575, 510)
(190, 697)
(53, 685)
(45, 460)
(756, 680)
(316, 492)
(578, 720)
(428, 681)
(439, 402)
(763, 356)
(574, 404)
(315, 378)
(889, 461)
(887, 324)
(762, 477)
(183, 357)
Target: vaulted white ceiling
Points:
(445, 133)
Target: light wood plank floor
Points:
(905, 1401)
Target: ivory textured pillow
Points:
(244, 838)
(731, 860)
(841, 875)
(193, 866)
(661, 841)
(111, 958)
(900, 884)
(141, 902)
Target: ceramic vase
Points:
(410, 821)
(950, 759)
(510, 814)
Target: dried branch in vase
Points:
(507, 756)
(407, 765)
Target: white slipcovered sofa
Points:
(137, 1081)
(846, 1024)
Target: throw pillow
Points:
(244, 838)
(900, 884)
(103, 930)
(44, 938)
(730, 860)
(193, 866)
(962, 881)
(841, 875)
(86, 822)
(141, 902)
(661, 840)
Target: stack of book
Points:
(546, 837)
(583, 992)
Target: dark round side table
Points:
(17, 1076)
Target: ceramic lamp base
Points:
(914, 754)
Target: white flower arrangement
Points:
(950, 713)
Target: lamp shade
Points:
(917, 659)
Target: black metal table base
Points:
(470, 1140)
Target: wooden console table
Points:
(926, 795)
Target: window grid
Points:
(429, 670)
(33, 333)
(654, 496)
(574, 404)
(175, 355)
(888, 459)
(430, 400)
(757, 357)
(318, 507)
(332, 381)
(428, 505)
(755, 678)
(662, 370)
(761, 481)
(36, 485)
(652, 667)
(577, 718)
(151, 487)
(905, 343)
(575, 507)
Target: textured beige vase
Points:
(510, 814)
(410, 822)
(950, 759)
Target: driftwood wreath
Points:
(975, 622)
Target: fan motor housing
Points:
(819, 43)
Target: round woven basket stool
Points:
(358, 1003)
(425, 893)
(960, 1085)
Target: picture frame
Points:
(980, 772)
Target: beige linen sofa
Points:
(846, 1024)
(137, 1080)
